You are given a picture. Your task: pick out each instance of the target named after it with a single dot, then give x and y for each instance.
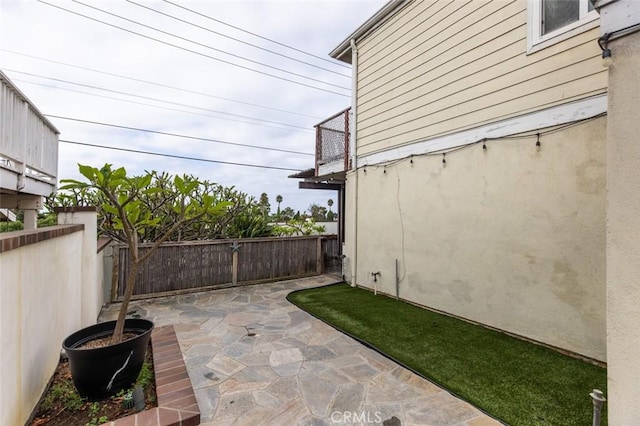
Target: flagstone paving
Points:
(255, 359)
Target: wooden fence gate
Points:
(178, 267)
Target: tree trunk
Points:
(128, 292)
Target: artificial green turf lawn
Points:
(518, 382)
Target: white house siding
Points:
(512, 237)
(436, 68)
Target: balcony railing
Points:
(28, 144)
(332, 142)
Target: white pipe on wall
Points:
(354, 149)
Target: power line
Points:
(155, 99)
(193, 51)
(178, 135)
(159, 107)
(158, 84)
(244, 58)
(256, 35)
(238, 40)
(181, 157)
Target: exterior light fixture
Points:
(603, 41)
(606, 58)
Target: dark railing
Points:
(200, 265)
(332, 140)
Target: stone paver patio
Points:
(256, 359)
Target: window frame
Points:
(536, 41)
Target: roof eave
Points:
(343, 51)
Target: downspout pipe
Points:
(354, 149)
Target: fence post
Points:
(319, 256)
(235, 247)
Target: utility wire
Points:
(156, 99)
(181, 157)
(177, 135)
(160, 107)
(159, 84)
(257, 35)
(209, 47)
(193, 51)
(238, 40)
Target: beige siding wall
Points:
(511, 237)
(623, 229)
(440, 67)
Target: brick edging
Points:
(177, 405)
(16, 239)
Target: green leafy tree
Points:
(317, 212)
(299, 226)
(250, 223)
(158, 200)
(122, 198)
(287, 214)
(264, 203)
(10, 226)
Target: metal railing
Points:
(332, 140)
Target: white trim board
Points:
(562, 114)
(332, 167)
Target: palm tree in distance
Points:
(330, 203)
(278, 200)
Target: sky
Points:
(81, 70)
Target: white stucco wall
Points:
(92, 264)
(40, 301)
(623, 231)
(512, 237)
(49, 289)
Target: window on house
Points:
(551, 21)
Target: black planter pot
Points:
(101, 372)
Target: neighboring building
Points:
(446, 177)
(28, 153)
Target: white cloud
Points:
(34, 28)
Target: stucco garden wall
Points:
(47, 292)
(512, 237)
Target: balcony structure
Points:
(28, 153)
(332, 147)
(332, 162)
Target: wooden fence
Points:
(199, 265)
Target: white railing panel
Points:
(26, 137)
